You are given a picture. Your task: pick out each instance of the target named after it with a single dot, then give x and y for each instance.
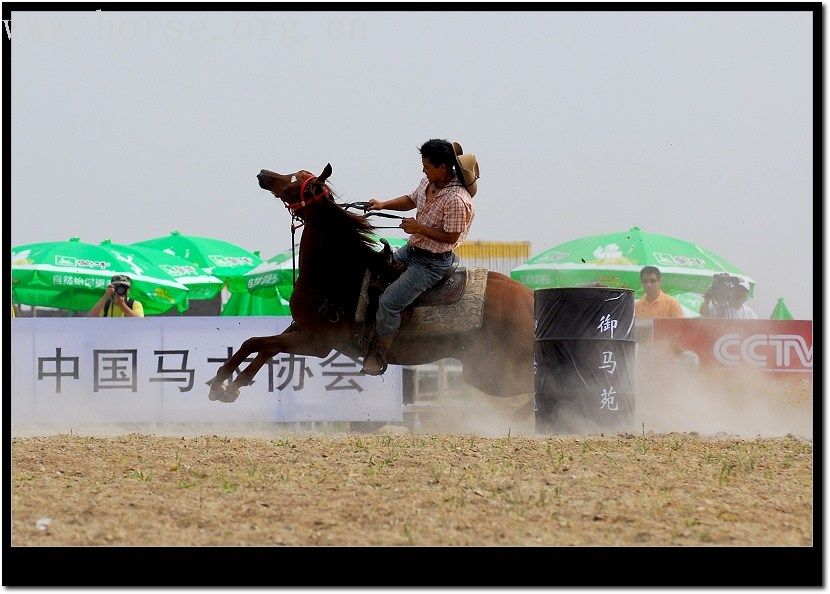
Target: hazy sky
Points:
(699, 125)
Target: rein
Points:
(364, 206)
(297, 222)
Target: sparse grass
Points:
(424, 489)
(253, 471)
(140, 475)
(747, 464)
(434, 476)
(407, 531)
(177, 464)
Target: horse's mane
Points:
(341, 225)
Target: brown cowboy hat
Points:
(468, 166)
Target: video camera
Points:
(722, 284)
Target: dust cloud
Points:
(678, 397)
(743, 402)
(477, 413)
(682, 398)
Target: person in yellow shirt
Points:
(655, 303)
(115, 302)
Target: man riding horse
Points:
(445, 212)
(487, 325)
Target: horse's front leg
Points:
(296, 343)
(217, 384)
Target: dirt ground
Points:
(412, 489)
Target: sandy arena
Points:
(702, 470)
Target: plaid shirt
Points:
(451, 210)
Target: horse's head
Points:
(296, 190)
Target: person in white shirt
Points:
(736, 307)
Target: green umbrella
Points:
(615, 260)
(276, 274)
(200, 284)
(246, 304)
(73, 275)
(266, 279)
(217, 257)
(690, 303)
(781, 312)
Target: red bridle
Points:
(297, 222)
(293, 208)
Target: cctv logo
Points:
(756, 350)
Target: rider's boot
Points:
(375, 361)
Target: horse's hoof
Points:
(230, 394)
(217, 392)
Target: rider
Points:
(444, 214)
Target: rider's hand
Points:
(410, 225)
(374, 204)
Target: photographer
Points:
(115, 302)
(725, 299)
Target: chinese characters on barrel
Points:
(607, 397)
(606, 324)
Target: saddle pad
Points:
(459, 316)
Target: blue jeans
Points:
(421, 274)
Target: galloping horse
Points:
(335, 252)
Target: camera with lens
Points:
(722, 284)
(121, 289)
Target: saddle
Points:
(387, 269)
(453, 305)
(449, 289)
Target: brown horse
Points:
(335, 251)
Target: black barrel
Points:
(583, 360)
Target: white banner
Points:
(154, 369)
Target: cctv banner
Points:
(155, 369)
(779, 347)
